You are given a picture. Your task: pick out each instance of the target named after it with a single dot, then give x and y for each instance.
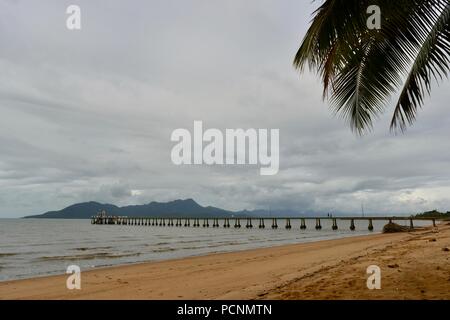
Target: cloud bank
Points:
(87, 115)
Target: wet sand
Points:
(414, 265)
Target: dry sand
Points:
(413, 266)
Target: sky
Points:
(88, 114)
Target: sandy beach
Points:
(414, 265)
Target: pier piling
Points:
(274, 223)
(318, 225)
(302, 224)
(335, 226)
(261, 223)
(370, 225)
(288, 223)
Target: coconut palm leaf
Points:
(362, 68)
(432, 62)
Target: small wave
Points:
(189, 241)
(159, 250)
(93, 248)
(101, 255)
(217, 245)
(7, 254)
(165, 243)
(158, 244)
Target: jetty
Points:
(248, 222)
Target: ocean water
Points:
(38, 247)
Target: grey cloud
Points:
(88, 115)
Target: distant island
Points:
(176, 208)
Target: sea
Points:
(40, 247)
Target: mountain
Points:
(80, 211)
(176, 208)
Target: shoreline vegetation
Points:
(414, 265)
(434, 214)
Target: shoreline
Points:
(194, 255)
(293, 271)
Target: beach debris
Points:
(262, 294)
(395, 265)
(432, 240)
(393, 227)
(445, 249)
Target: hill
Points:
(176, 208)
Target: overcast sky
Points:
(88, 114)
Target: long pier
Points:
(247, 222)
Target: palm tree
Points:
(362, 68)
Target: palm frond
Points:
(362, 68)
(432, 62)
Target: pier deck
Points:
(247, 222)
